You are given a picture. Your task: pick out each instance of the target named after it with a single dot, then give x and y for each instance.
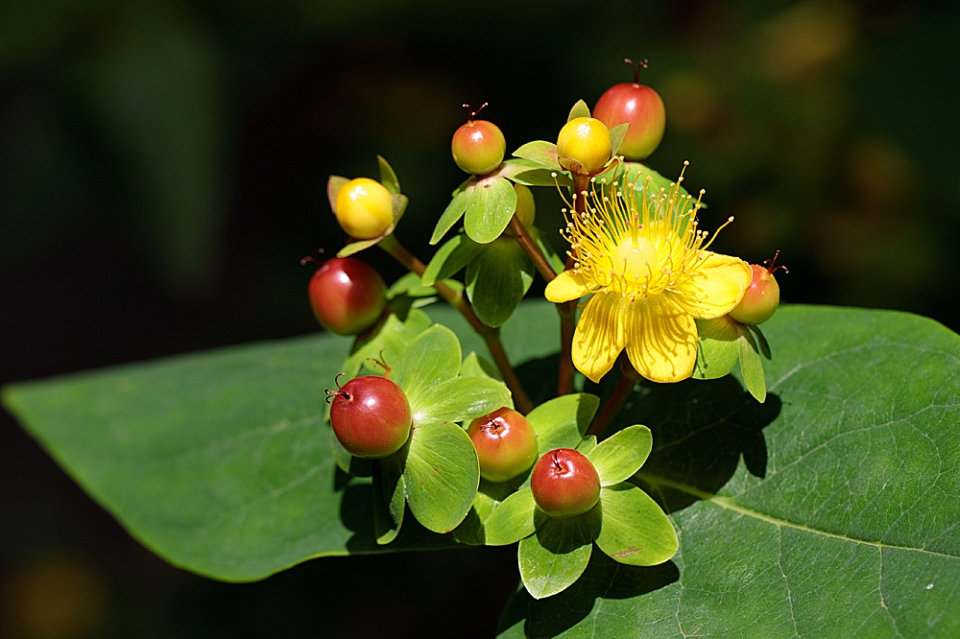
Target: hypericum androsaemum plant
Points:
(658, 507)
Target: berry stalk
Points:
(455, 298)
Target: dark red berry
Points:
(370, 416)
(347, 295)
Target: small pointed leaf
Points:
(452, 214)
(455, 254)
(541, 153)
(617, 134)
(579, 110)
(751, 367)
(387, 176)
(334, 184)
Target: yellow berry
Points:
(364, 209)
(586, 140)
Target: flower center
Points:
(637, 257)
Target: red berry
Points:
(506, 444)
(347, 295)
(478, 146)
(762, 297)
(370, 416)
(642, 108)
(565, 483)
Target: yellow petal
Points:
(567, 286)
(661, 339)
(716, 287)
(600, 335)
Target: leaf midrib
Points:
(729, 504)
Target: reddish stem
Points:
(490, 335)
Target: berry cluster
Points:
(455, 441)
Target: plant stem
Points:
(628, 379)
(567, 310)
(530, 246)
(490, 335)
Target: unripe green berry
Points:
(587, 142)
(364, 209)
(565, 483)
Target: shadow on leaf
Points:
(604, 579)
(700, 431)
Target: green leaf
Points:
(388, 341)
(498, 279)
(353, 248)
(459, 399)
(617, 134)
(476, 366)
(430, 359)
(717, 347)
(532, 173)
(541, 153)
(635, 530)
(441, 475)
(579, 110)
(821, 513)
(761, 341)
(751, 367)
(471, 531)
(455, 254)
(388, 177)
(557, 554)
(491, 204)
(512, 520)
(618, 457)
(561, 422)
(547, 249)
(334, 184)
(389, 497)
(452, 214)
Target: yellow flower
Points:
(643, 258)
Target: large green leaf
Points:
(221, 462)
(829, 511)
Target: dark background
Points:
(162, 170)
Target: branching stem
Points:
(491, 336)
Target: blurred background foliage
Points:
(163, 167)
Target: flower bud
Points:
(364, 209)
(586, 141)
